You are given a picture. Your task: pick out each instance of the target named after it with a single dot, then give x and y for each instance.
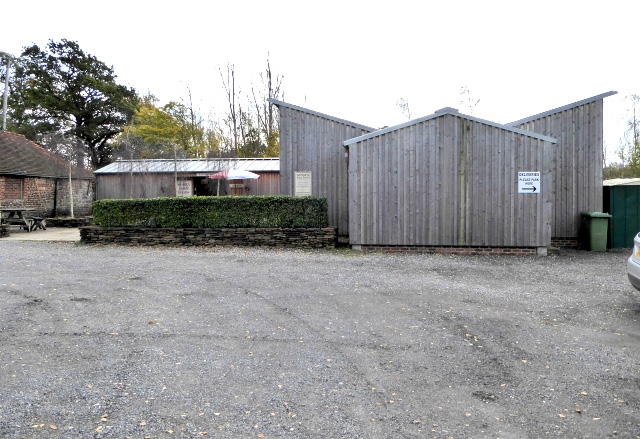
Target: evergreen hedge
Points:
(213, 212)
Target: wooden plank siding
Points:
(138, 185)
(448, 181)
(312, 141)
(267, 184)
(576, 162)
(161, 184)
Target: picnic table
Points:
(19, 216)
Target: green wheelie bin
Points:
(595, 226)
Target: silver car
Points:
(633, 264)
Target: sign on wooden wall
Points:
(184, 188)
(302, 184)
(528, 182)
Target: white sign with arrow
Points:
(528, 182)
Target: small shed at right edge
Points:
(622, 201)
(449, 179)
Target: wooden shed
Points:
(577, 162)
(449, 179)
(312, 142)
(430, 182)
(184, 177)
(621, 198)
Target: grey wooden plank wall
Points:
(153, 185)
(577, 163)
(267, 184)
(138, 185)
(310, 142)
(448, 181)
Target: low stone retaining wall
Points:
(68, 222)
(272, 237)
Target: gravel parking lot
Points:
(116, 342)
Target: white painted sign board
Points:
(302, 184)
(184, 188)
(528, 182)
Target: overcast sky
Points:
(356, 59)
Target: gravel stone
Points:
(157, 342)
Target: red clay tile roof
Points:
(20, 156)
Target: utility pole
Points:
(5, 95)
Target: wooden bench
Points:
(29, 223)
(36, 223)
(24, 223)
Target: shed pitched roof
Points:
(563, 108)
(191, 165)
(440, 113)
(622, 182)
(325, 116)
(21, 156)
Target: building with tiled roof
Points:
(32, 177)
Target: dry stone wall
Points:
(268, 237)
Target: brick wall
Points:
(565, 242)
(11, 191)
(272, 237)
(30, 192)
(39, 193)
(82, 198)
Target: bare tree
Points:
(72, 149)
(233, 118)
(265, 111)
(467, 102)
(195, 129)
(403, 105)
(629, 149)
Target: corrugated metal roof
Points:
(316, 113)
(191, 165)
(563, 108)
(440, 113)
(622, 182)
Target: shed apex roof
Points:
(316, 113)
(21, 156)
(563, 108)
(447, 110)
(440, 113)
(622, 182)
(191, 165)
